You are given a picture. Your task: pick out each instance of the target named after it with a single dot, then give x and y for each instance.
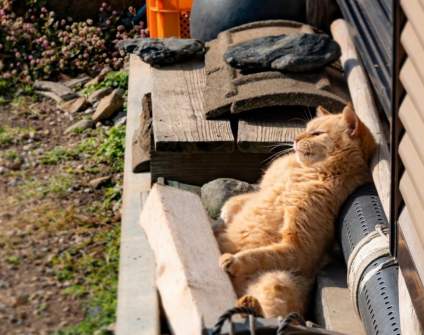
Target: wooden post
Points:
(366, 109)
(194, 290)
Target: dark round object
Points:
(210, 17)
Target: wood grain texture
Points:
(141, 144)
(366, 109)
(268, 131)
(179, 123)
(138, 306)
(200, 168)
(193, 289)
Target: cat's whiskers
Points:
(277, 155)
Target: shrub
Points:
(38, 45)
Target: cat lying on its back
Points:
(274, 240)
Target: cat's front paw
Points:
(229, 264)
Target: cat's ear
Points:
(353, 123)
(321, 111)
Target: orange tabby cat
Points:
(274, 240)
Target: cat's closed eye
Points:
(317, 133)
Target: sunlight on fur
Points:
(274, 240)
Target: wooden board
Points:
(138, 306)
(193, 289)
(271, 131)
(200, 168)
(141, 144)
(178, 118)
(366, 109)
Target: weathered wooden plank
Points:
(179, 123)
(193, 289)
(138, 307)
(269, 131)
(200, 168)
(141, 144)
(366, 109)
(413, 203)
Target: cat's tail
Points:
(277, 293)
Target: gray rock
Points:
(75, 105)
(109, 106)
(61, 90)
(99, 94)
(77, 82)
(99, 182)
(80, 125)
(120, 119)
(291, 53)
(164, 51)
(215, 193)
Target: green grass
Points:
(11, 135)
(115, 79)
(57, 186)
(100, 273)
(111, 151)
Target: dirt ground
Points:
(59, 226)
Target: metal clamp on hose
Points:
(371, 247)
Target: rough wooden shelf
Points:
(192, 149)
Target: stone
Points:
(299, 52)
(99, 182)
(120, 119)
(77, 82)
(80, 126)
(215, 193)
(99, 94)
(100, 77)
(109, 106)
(164, 51)
(51, 95)
(61, 90)
(75, 106)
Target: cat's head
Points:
(327, 135)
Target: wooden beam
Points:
(193, 289)
(264, 132)
(179, 123)
(138, 306)
(366, 109)
(200, 168)
(141, 144)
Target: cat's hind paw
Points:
(252, 303)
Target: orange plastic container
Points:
(169, 18)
